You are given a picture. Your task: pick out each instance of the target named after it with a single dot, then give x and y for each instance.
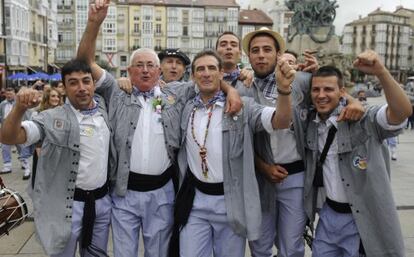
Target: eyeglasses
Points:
(148, 66)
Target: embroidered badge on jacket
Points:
(58, 124)
(360, 162)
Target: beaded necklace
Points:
(203, 149)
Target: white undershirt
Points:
(7, 108)
(94, 148)
(335, 189)
(213, 144)
(148, 153)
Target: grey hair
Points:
(144, 50)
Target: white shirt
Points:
(7, 108)
(214, 142)
(335, 189)
(284, 149)
(148, 153)
(94, 148)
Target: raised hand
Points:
(98, 10)
(246, 75)
(125, 85)
(310, 64)
(285, 74)
(27, 98)
(369, 63)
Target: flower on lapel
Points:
(157, 100)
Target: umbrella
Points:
(18, 76)
(37, 76)
(55, 77)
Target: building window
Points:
(158, 29)
(185, 31)
(123, 60)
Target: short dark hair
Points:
(229, 33)
(207, 52)
(292, 53)
(328, 71)
(10, 89)
(264, 34)
(75, 65)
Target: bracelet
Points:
(284, 92)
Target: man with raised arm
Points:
(70, 195)
(218, 204)
(351, 161)
(146, 128)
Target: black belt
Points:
(184, 204)
(207, 188)
(294, 167)
(144, 183)
(89, 213)
(338, 207)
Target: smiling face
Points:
(80, 88)
(228, 47)
(144, 71)
(326, 94)
(54, 98)
(263, 55)
(207, 75)
(172, 68)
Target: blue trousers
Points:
(24, 153)
(151, 212)
(336, 235)
(207, 232)
(284, 228)
(100, 229)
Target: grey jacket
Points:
(301, 105)
(241, 192)
(27, 115)
(124, 110)
(55, 179)
(368, 189)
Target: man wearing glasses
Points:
(146, 135)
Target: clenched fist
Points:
(27, 98)
(285, 74)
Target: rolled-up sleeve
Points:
(32, 132)
(101, 79)
(267, 116)
(383, 121)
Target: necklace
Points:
(203, 149)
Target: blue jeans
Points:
(24, 153)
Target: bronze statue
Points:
(309, 16)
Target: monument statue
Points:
(313, 18)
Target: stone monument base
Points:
(302, 42)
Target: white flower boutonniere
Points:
(157, 100)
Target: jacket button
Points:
(343, 179)
(357, 211)
(347, 185)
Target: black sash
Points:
(144, 182)
(89, 213)
(184, 204)
(318, 179)
(294, 167)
